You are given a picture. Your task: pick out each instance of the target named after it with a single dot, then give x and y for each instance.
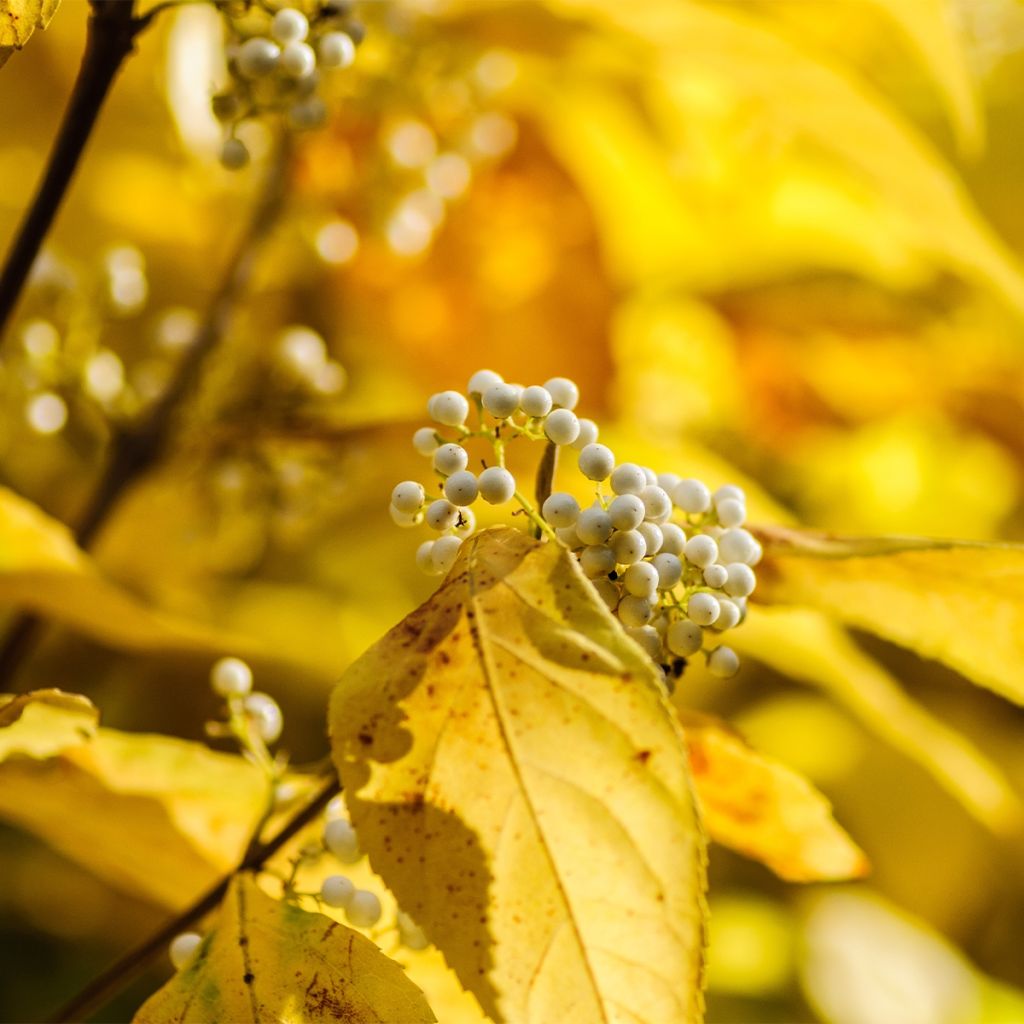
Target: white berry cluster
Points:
(669, 557)
(275, 56)
(231, 678)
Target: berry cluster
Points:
(669, 557)
(274, 58)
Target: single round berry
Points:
(337, 891)
(425, 558)
(449, 408)
(289, 25)
(608, 592)
(183, 947)
(684, 638)
(444, 553)
(336, 808)
(481, 381)
(723, 662)
(561, 509)
(715, 576)
(266, 716)
(669, 568)
(363, 909)
(596, 462)
(668, 481)
(441, 515)
(673, 538)
(501, 400)
(594, 525)
(234, 154)
(597, 560)
(628, 546)
(653, 537)
(497, 485)
(635, 611)
(730, 491)
(409, 933)
(730, 512)
(691, 496)
(298, 59)
(404, 519)
(340, 839)
(563, 391)
(628, 478)
(737, 545)
(425, 441)
(562, 427)
(703, 608)
(740, 581)
(461, 488)
(648, 638)
(536, 401)
(728, 614)
(465, 524)
(641, 580)
(587, 435)
(408, 496)
(257, 57)
(450, 458)
(569, 537)
(626, 512)
(701, 550)
(231, 677)
(336, 50)
(657, 504)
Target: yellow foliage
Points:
(516, 778)
(43, 722)
(268, 962)
(19, 19)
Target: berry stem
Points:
(102, 989)
(531, 512)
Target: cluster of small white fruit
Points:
(274, 57)
(669, 557)
(231, 678)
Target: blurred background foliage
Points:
(772, 240)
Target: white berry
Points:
(231, 677)
(536, 401)
(340, 838)
(701, 550)
(594, 525)
(444, 553)
(628, 478)
(626, 512)
(738, 545)
(336, 50)
(731, 512)
(628, 546)
(449, 408)
(563, 391)
(715, 576)
(587, 435)
(684, 638)
(702, 608)
(403, 519)
(182, 947)
(641, 579)
(496, 485)
(635, 611)
(723, 662)
(408, 496)
(673, 538)
(653, 537)
(596, 462)
(597, 560)
(647, 637)
(425, 441)
(669, 568)
(337, 891)
(692, 496)
(730, 491)
(740, 581)
(289, 25)
(568, 536)
(410, 934)
(450, 458)
(562, 427)
(657, 504)
(465, 523)
(561, 509)
(501, 400)
(728, 614)
(298, 59)
(441, 515)
(425, 558)
(482, 380)
(363, 909)
(257, 57)
(608, 592)
(266, 716)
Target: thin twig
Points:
(102, 989)
(111, 38)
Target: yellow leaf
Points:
(42, 569)
(268, 962)
(19, 19)
(518, 780)
(805, 645)
(153, 815)
(40, 723)
(762, 809)
(960, 602)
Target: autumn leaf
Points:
(269, 962)
(764, 810)
(959, 602)
(19, 19)
(518, 780)
(40, 723)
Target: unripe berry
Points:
(450, 458)
(715, 576)
(740, 581)
(257, 57)
(608, 592)
(723, 662)
(657, 504)
(692, 496)
(596, 462)
(182, 948)
(536, 401)
(635, 611)
(701, 550)
(449, 408)
(594, 525)
(482, 380)
(561, 509)
(737, 546)
(587, 435)
(703, 608)
(336, 50)
(501, 400)
(231, 677)
(669, 568)
(563, 391)
(684, 638)
(597, 560)
(363, 909)
(425, 441)
(266, 716)
(337, 891)
(340, 839)
(730, 512)
(408, 496)
(728, 614)
(628, 478)
(628, 546)
(641, 580)
(626, 512)
(444, 553)
(653, 537)
(497, 485)
(648, 638)
(562, 427)
(234, 154)
(289, 25)
(673, 538)
(425, 558)
(441, 515)
(298, 59)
